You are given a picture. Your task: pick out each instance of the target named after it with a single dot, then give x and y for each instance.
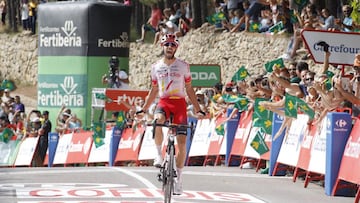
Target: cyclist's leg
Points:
(160, 118)
(180, 117)
(160, 115)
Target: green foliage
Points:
(355, 15)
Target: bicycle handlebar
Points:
(154, 124)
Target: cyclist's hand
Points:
(200, 114)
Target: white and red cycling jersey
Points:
(171, 79)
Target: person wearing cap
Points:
(171, 82)
(6, 97)
(63, 115)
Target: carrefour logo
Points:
(64, 36)
(55, 90)
(120, 42)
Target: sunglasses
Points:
(347, 11)
(170, 44)
(357, 67)
(292, 69)
(309, 79)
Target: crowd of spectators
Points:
(175, 20)
(20, 124)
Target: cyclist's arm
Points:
(151, 97)
(191, 94)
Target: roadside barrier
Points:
(329, 151)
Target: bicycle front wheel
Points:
(169, 186)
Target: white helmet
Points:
(169, 38)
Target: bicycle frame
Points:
(167, 173)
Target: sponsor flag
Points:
(220, 129)
(291, 105)
(216, 18)
(293, 17)
(262, 117)
(304, 107)
(102, 96)
(242, 104)
(259, 111)
(279, 63)
(98, 141)
(277, 27)
(240, 75)
(254, 27)
(301, 3)
(7, 84)
(6, 134)
(259, 144)
(230, 98)
(98, 129)
(121, 120)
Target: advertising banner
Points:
(129, 145)
(350, 161)
(79, 148)
(116, 98)
(241, 135)
(53, 139)
(231, 126)
(338, 129)
(205, 75)
(343, 46)
(74, 51)
(276, 144)
(26, 151)
(8, 152)
(114, 144)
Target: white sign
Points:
(343, 46)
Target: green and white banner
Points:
(76, 41)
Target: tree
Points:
(13, 13)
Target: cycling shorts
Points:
(176, 108)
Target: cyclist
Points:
(171, 81)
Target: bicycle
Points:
(167, 173)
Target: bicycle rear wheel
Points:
(169, 185)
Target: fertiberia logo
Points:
(64, 36)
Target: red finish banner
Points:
(117, 100)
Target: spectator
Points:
(6, 97)
(234, 18)
(117, 78)
(43, 133)
(73, 123)
(346, 24)
(3, 11)
(176, 14)
(18, 105)
(329, 20)
(152, 23)
(19, 121)
(253, 12)
(63, 115)
(32, 15)
(25, 15)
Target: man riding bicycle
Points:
(171, 81)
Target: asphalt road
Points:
(139, 185)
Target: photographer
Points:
(117, 78)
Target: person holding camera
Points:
(117, 78)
